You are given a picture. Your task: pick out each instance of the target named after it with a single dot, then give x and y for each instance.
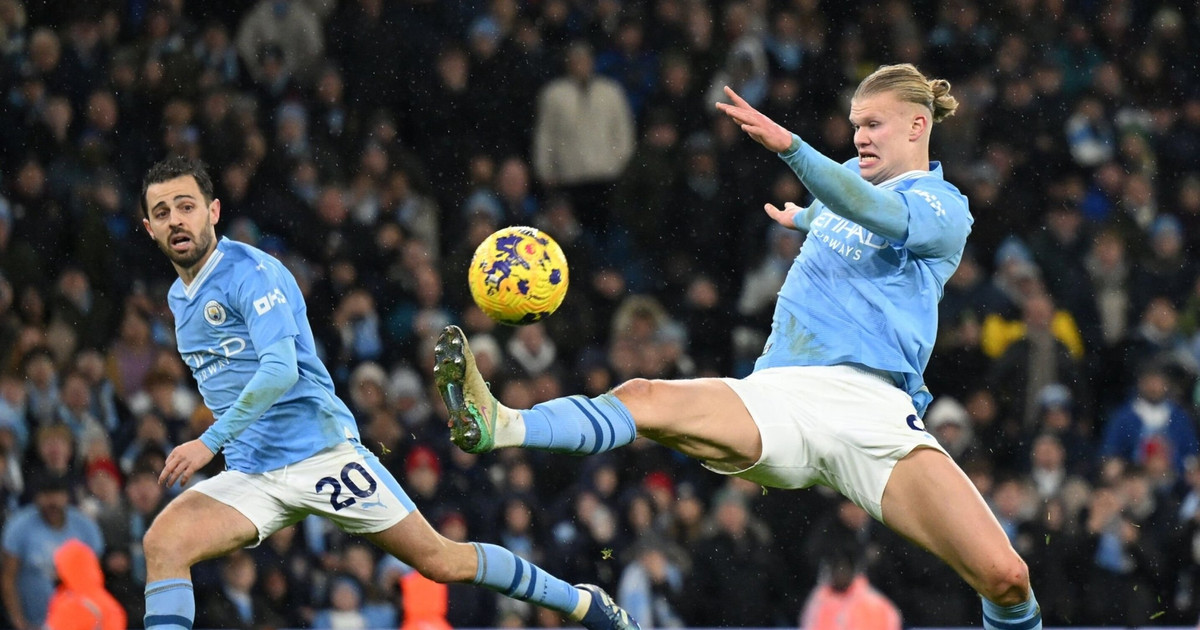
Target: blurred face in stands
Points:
(52, 506)
(55, 448)
(1047, 453)
(579, 63)
(344, 596)
(1152, 386)
(75, 393)
(144, 493)
(240, 572)
(1039, 312)
(732, 518)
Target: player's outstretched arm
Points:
(842, 190)
(757, 125)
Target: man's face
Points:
(144, 493)
(52, 505)
(886, 134)
(180, 221)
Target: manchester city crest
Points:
(214, 313)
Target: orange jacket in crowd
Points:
(425, 603)
(860, 607)
(81, 603)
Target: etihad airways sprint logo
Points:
(844, 236)
(206, 363)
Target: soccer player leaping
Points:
(837, 395)
(291, 446)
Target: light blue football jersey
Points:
(244, 299)
(854, 297)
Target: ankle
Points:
(510, 427)
(585, 602)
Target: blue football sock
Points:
(1024, 616)
(170, 605)
(502, 571)
(579, 425)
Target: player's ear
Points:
(920, 123)
(214, 210)
(146, 224)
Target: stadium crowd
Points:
(370, 145)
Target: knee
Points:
(161, 550)
(644, 398)
(1007, 583)
(635, 390)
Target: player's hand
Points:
(183, 462)
(785, 217)
(765, 131)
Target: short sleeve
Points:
(263, 298)
(938, 221)
(14, 535)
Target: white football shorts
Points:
(346, 484)
(836, 426)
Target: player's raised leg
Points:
(414, 542)
(929, 500)
(701, 418)
(191, 528)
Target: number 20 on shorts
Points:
(350, 484)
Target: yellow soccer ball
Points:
(518, 275)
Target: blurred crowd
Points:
(370, 145)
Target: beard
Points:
(202, 243)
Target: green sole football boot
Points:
(473, 409)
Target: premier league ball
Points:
(518, 275)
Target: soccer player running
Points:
(837, 395)
(291, 446)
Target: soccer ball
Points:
(518, 275)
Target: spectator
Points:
(151, 436)
(30, 538)
(1149, 421)
(846, 599)
(1166, 271)
(345, 606)
(1123, 557)
(950, 423)
(288, 24)
(1039, 358)
(80, 601)
(735, 561)
(234, 604)
(1158, 339)
(131, 355)
(583, 136)
(41, 385)
(368, 393)
(425, 603)
(124, 527)
(53, 454)
(650, 587)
